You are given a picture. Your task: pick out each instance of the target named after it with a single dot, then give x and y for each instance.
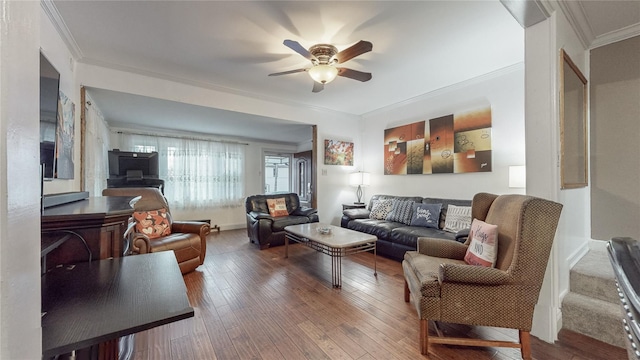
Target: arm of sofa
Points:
(256, 215)
(442, 248)
(462, 235)
(356, 213)
(195, 227)
(304, 211)
(140, 244)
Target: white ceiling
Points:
(418, 47)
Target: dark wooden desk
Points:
(98, 302)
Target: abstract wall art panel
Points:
(449, 144)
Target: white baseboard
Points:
(578, 254)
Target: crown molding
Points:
(615, 36)
(58, 23)
(574, 12)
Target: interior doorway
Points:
(303, 184)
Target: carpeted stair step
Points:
(593, 276)
(592, 317)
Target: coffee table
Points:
(340, 242)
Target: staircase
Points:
(592, 306)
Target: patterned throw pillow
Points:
(380, 209)
(426, 215)
(483, 248)
(277, 207)
(153, 223)
(401, 211)
(458, 218)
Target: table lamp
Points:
(359, 179)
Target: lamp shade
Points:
(359, 179)
(323, 74)
(517, 176)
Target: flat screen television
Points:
(132, 165)
(49, 89)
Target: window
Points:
(277, 173)
(197, 173)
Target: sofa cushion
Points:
(426, 215)
(458, 218)
(153, 223)
(279, 223)
(380, 228)
(277, 207)
(401, 211)
(483, 248)
(408, 235)
(380, 209)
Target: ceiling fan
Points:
(323, 59)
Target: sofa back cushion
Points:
(445, 206)
(258, 203)
(392, 197)
(401, 211)
(426, 215)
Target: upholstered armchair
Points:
(157, 231)
(265, 229)
(445, 288)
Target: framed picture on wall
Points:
(338, 152)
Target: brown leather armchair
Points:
(445, 288)
(188, 239)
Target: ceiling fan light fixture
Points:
(323, 73)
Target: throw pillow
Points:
(458, 218)
(153, 223)
(277, 207)
(426, 215)
(401, 211)
(380, 209)
(483, 248)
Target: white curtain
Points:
(96, 148)
(197, 173)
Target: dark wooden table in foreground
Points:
(98, 302)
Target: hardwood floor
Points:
(252, 304)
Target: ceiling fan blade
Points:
(288, 72)
(349, 53)
(295, 46)
(354, 74)
(317, 87)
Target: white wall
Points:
(57, 53)
(543, 42)
(502, 90)
(20, 332)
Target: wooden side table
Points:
(353, 206)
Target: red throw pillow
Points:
(277, 207)
(153, 223)
(483, 248)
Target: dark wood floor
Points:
(252, 304)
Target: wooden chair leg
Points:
(406, 291)
(525, 345)
(424, 336)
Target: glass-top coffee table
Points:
(339, 242)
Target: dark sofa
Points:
(395, 238)
(266, 230)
